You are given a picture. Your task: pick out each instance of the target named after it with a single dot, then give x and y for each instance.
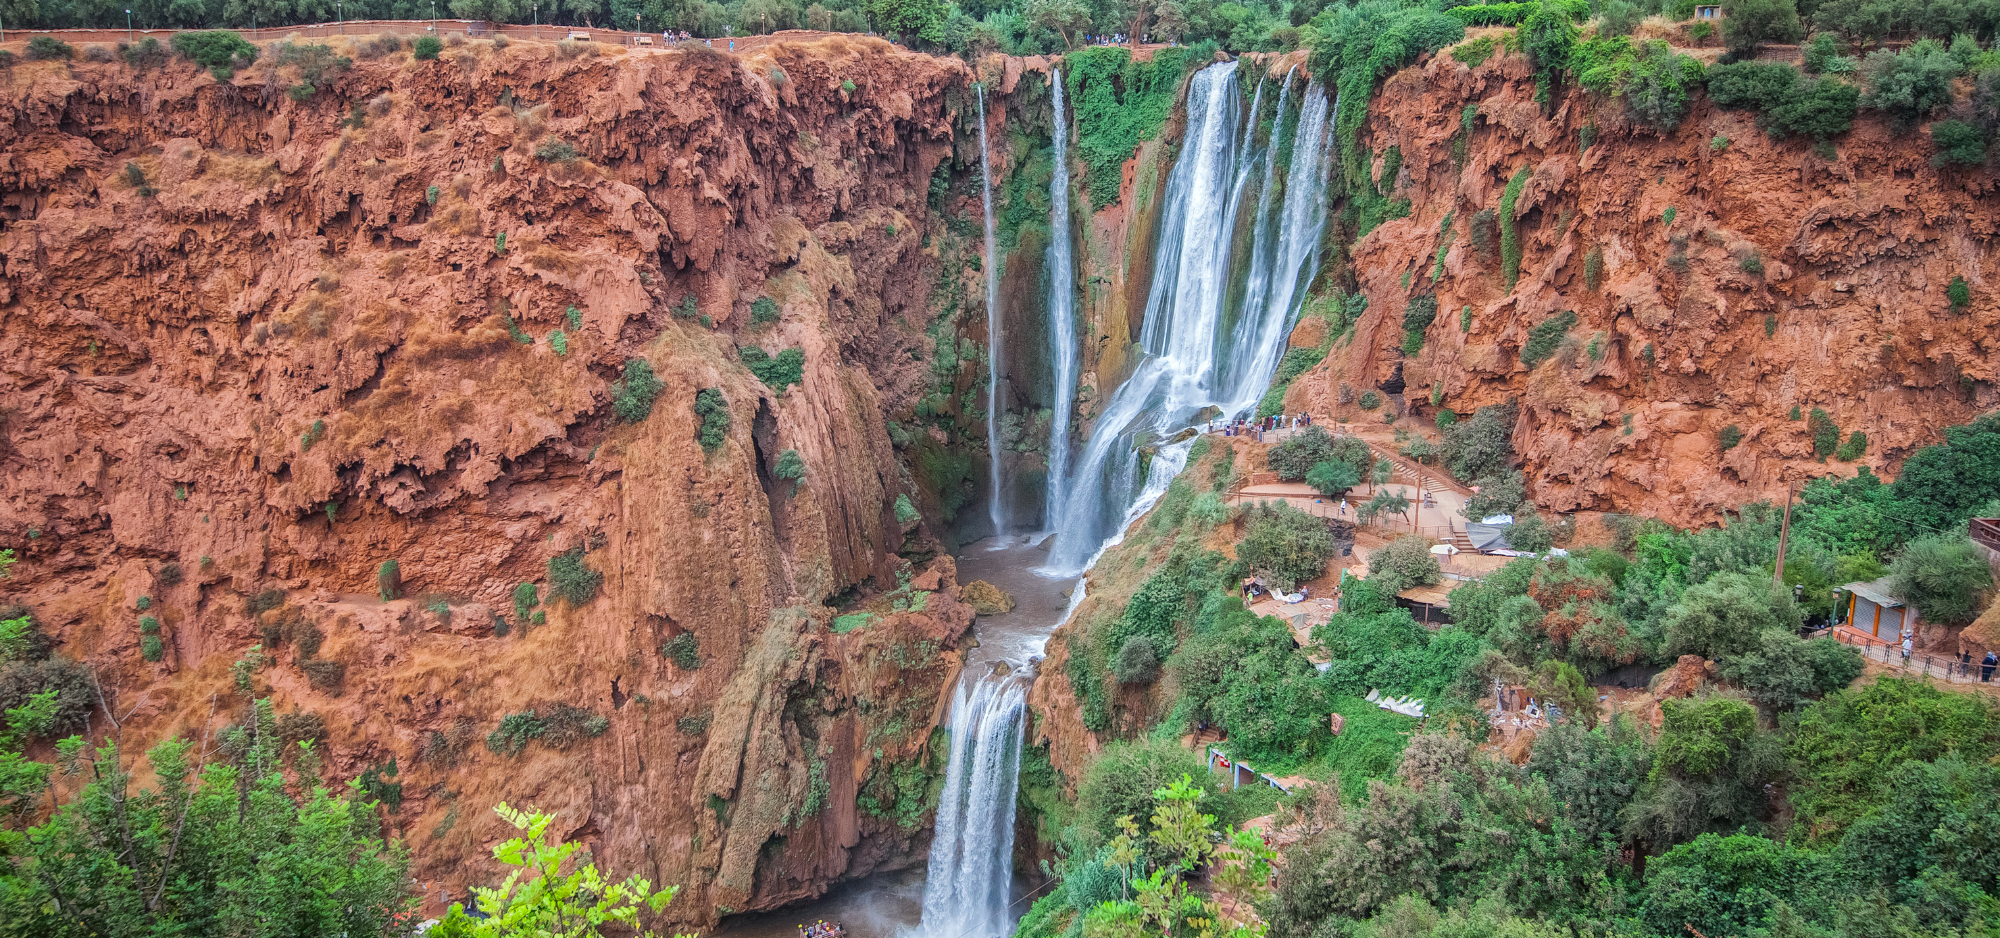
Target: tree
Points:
(1480, 446)
(1747, 24)
(1285, 543)
(1406, 562)
(1383, 502)
(1732, 885)
(1944, 576)
(1065, 18)
(541, 899)
(1910, 84)
(922, 19)
(1331, 477)
(1940, 486)
(1783, 672)
(1137, 661)
(1725, 614)
(492, 11)
(1548, 36)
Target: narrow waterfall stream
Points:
(992, 263)
(1064, 349)
(966, 890)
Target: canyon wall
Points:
(263, 336)
(1719, 279)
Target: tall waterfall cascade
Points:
(1191, 358)
(972, 850)
(1064, 348)
(993, 506)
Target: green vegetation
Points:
(49, 49)
(1284, 543)
(684, 650)
(559, 342)
(1787, 104)
(571, 579)
(1729, 437)
(841, 625)
(556, 150)
(1944, 576)
(389, 580)
(1510, 240)
(426, 48)
(762, 310)
(1418, 314)
(1546, 337)
(633, 396)
(1474, 53)
(220, 51)
(525, 601)
(552, 889)
(1119, 104)
(1959, 293)
(1854, 448)
(515, 731)
(777, 372)
(1650, 78)
(1825, 435)
(791, 467)
(713, 412)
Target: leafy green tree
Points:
(1910, 84)
(1709, 771)
(552, 893)
(1958, 143)
(1847, 744)
(1548, 36)
(1747, 24)
(1285, 543)
(1732, 885)
(1782, 671)
(910, 19)
(1944, 576)
(1332, 478)
(1407, 561)
(1724, 615)
(1594, 772)
(1480, 446)
(1941, 485)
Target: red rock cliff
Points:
(1682, 333)
(273, 343)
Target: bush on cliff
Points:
(572, 579)
(220, 51)
(632, 399)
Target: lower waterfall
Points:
(972, 851)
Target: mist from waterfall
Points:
(993, 507)
(972, 850)
(1188, 361)
(1063, 346)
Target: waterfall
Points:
(1187, 361)
(1262, 229)
(993, 508)
(1063, 347)
(972, 850)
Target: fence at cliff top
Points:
(475, 29)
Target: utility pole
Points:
(1784, 534)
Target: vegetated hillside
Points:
(1686, 299)
(524, 405)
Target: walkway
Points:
(1443, 520)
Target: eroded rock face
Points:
(1785, 280)
(274, 344)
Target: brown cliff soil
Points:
(275, 343)
(1786, 279)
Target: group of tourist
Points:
(1242, 427)
(822, 929)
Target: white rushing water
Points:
(993, 507)
(972, 850)
(1063, 347)
(1188, 360)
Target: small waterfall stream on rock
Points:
(966, 892)
(1063, 348)
(1191, 361)
(992, 263)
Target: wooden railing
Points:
(1985, 532)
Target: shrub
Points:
(1648, 76)
(1724, 614)
(762, 310)
(1958, 144)
(144, 54)
(559, 342)
(1910, 84)
(684, 650)
(632, 400)
(1418, 314)
(1593, 269)
(151, 648)
(1825, 434)
(1734, 885)
(566, 725)
(575, 317)
(906, 512)
(1783, 672)
(713, 411)
(1481, 446)
(1406, 562)
(1137, 661)
(1819, 109)
(694, 725)
(1296, 456)
(515, 731)
(1729, 437)
(49, 48)
(1944, 576)
(1370, 400)
(791, 467)
(388, 579)
(324, 676)
(1750, 23)
(1847, 745)
(1855, 447)
(220, 51)
(779, 371)
(570, 578)
(1620, 18)
(426, 48)
(144, 603)
(1750, 262)
(136, 178)
(169, 574)
(1510, 241)
(1546, 337)
(1284, 542)
(1821, 50)
(1959, 293)
(525, 600)
(1474, 53)
(555, 150)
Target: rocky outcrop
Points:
(256, 347)
(1719, 279)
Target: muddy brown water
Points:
(890, 905)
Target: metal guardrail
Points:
(1945, 667)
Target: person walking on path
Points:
(1986, 666)
(1906, 647)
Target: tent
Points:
(1487, 537)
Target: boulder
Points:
(986, 599)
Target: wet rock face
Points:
(273, 344)
(1783, 280)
